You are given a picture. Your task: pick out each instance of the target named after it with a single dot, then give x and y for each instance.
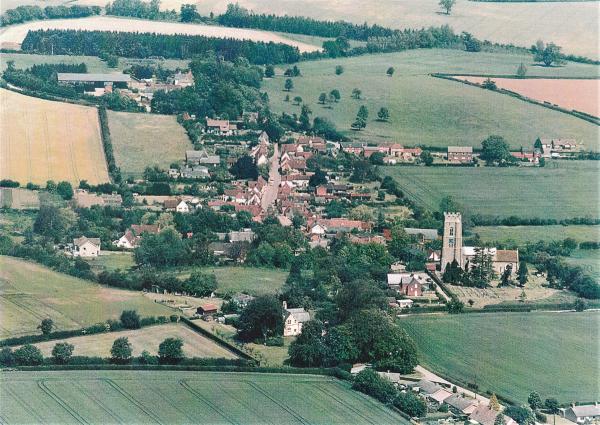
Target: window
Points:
(452, 231)
(451, 243)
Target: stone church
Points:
(453, 249)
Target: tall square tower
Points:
(452, 240)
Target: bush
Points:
(540, 417)
(411, 404)
(174, 318)
(28, 355)
(7, 357)
(276, 341)
(62, 352)
(369, 382)
(147, 359)
(130, 319)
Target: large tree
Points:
(62, 352)
(244, 168)
(262, 318)
(447, 5)
(548, 54)
(308, 350)
(170, 351)
(494, 150)
(121, 350)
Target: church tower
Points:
(452, 240)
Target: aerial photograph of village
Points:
(300, 212)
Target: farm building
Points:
(95, 84)
(201, 158)
(207, 309)
(86, 247)
(432, 391)
(461, 404)
(220, 127)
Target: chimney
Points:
(285, 305)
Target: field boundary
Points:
(221, 342)
(572, 112)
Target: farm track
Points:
(26, 407)
(42, 385)
(173, 404)
(184, 384)
(133, 400)
(278, 403)
(92, 397)
(345, 404)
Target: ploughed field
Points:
(562, 189)
(144, 140)
(30, 293)
(42, 140)
(575, 94)
(430, 111)
(13, 36)
(513, 354)
(100, 397)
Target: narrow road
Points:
(270, 192)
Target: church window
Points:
(452, 231)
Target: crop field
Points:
(523, 234)
(100, 397)
(251, 280)
(30, 293)
(577, 94)
(429, 111)
(42, 140)
(143, 140)
(13, 36)
(518, 191)
(513, 354)
(149, 338)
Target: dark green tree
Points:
(308, 349)
(46, 326)
(318, 178)
(411, 404)
(383, 114)
(339, 70)
(390, 71)
(522, 273)
(426, 158)
(170, 351)
(121, 351)
(200, 284)
(28, 355)
(369, 382)
(269, 71)
(289, 84)
(65, 190)
(244, 168)
(62, 352)
(495, 150)
(262, 318)
(534, 400)
(130, 319)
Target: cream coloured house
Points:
(294, 319)
(86, 247)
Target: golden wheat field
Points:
(42, 140)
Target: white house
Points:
(86, 247)
(584, 414)
(294, 319)
(182, 207)
(318, 229)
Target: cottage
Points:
(584, 414)
(461, 405)
(485, 415)
(408, 284)
(294, 319)
(434, 392)
(86, 247)
(195, 172)
(220, 127)
(183, 207)
(460, 154)
(202, 158)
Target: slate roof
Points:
(93, 78)
(82, 240)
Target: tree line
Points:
(22, 14)
(145, 45)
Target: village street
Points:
(272, 188)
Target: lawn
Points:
(523, 234)
(194, 344)
(173, 397)
(430, 111)
(111, 261)
(30, 292)
(513, 354)
(562, 189)
(251, 280)
(42, 140)
(142, 140)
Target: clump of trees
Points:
(548, 54)
(22, 14)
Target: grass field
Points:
(251, 280)
(142, 140)
(194, 344)
(112, 261)
(589, 260)
(513, 354)
(430, 111)
(523, 192)
(524, 234)
(42, 140)
(12, 36)
(100, 397)
(30, 293)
